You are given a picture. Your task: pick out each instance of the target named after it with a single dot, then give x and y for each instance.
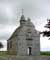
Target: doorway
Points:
(29, 50)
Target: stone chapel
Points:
(25, 40)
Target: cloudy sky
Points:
(10, 12)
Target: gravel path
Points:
(3, 58)
(25, 58)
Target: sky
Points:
(10, 12)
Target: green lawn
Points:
(47, 53)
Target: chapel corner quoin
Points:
(25, 40)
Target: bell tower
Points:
(22, 19)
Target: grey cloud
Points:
(4, 36)
(10, 12)
(32, 8)
(6, 31)
(37, 8)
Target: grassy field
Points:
(47, 53)
(3, 53)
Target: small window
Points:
(28, 38)
(29, 32)
(29, 35)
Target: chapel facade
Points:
(25, 40)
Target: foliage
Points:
(1, 45)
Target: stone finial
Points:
(22, 17)
(29, 19)
(22, 20)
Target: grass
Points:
(3, 53)
(47, 53)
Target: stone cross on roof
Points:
(22, 11)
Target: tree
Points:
(47, 32)
(1, 45)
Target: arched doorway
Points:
(29, 51)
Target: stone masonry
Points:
(25, 40)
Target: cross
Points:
(22, 11)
